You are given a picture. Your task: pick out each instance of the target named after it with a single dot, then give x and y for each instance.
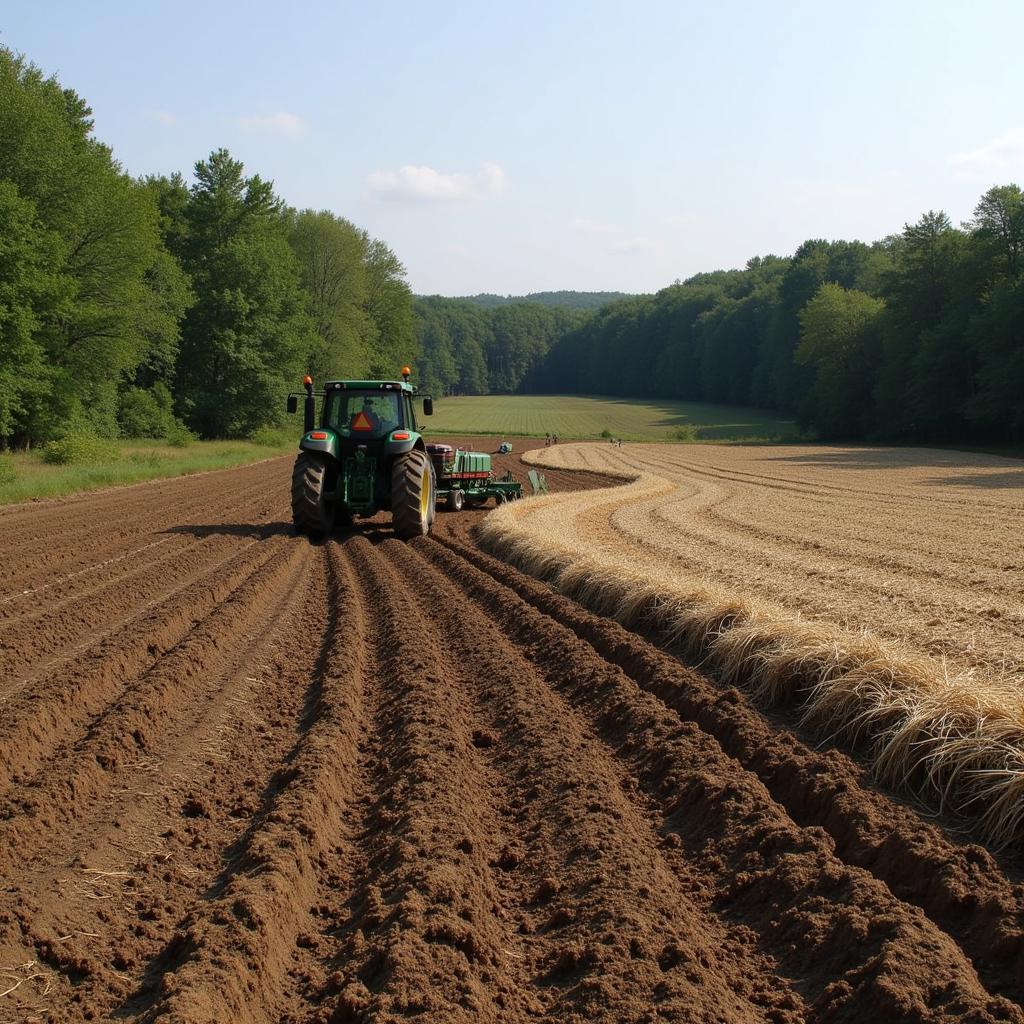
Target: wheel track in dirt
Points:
(386, 779)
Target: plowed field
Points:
(248, 778)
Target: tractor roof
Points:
(370, 385)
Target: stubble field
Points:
(249, 778)
(877, 589)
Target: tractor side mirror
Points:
(293, 403)
(428, 406)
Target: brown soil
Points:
(249, 778)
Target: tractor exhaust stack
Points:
(309, 411)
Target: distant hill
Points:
(557, 300)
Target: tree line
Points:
(470, 349)
(559, 300)
(160, 306)
(918, 337)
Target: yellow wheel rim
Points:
(425, 497)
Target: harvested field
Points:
(880, 589)
(249, 778)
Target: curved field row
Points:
(367, 781)
(879, 589)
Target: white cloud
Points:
(1002, 156)
(420, 184)
(636, 243)
(689, 221)
(281, 123)
(615, 237)
(595, 227)
(162, 116)
(494, 178)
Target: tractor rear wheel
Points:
(311, 512)
(412, 495)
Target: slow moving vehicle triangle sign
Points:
(361, 422)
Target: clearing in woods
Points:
(249, 778)
(572, 416)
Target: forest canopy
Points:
(918, 337)
(161, 306)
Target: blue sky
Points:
(515, 147)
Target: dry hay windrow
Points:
(950, 736)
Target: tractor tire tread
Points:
(408, 474)
(309, 477)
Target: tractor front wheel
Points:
(455, 500)
(412, 495)
(311, 512)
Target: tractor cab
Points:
(367, 414)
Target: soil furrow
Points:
(153, 832)
(617, 926)
(61, 561)
(58, 707)
(425, 931)
(782, 881)
(129, 729)
(66, 623)
(959, 885)
(229, 958)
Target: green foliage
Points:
(178, 435)
(31, 293)
(470, 349)
(998, 226)
(331, 253)
(85, 309)
(272, 437)
(146, 413)
(78, 447)
(8, 473)
(247, 336)
(358, 300)
(389, 307)
(553, 300)
(997, 334)
(839, 339)
(686, 432)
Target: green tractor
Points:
(366, 455)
